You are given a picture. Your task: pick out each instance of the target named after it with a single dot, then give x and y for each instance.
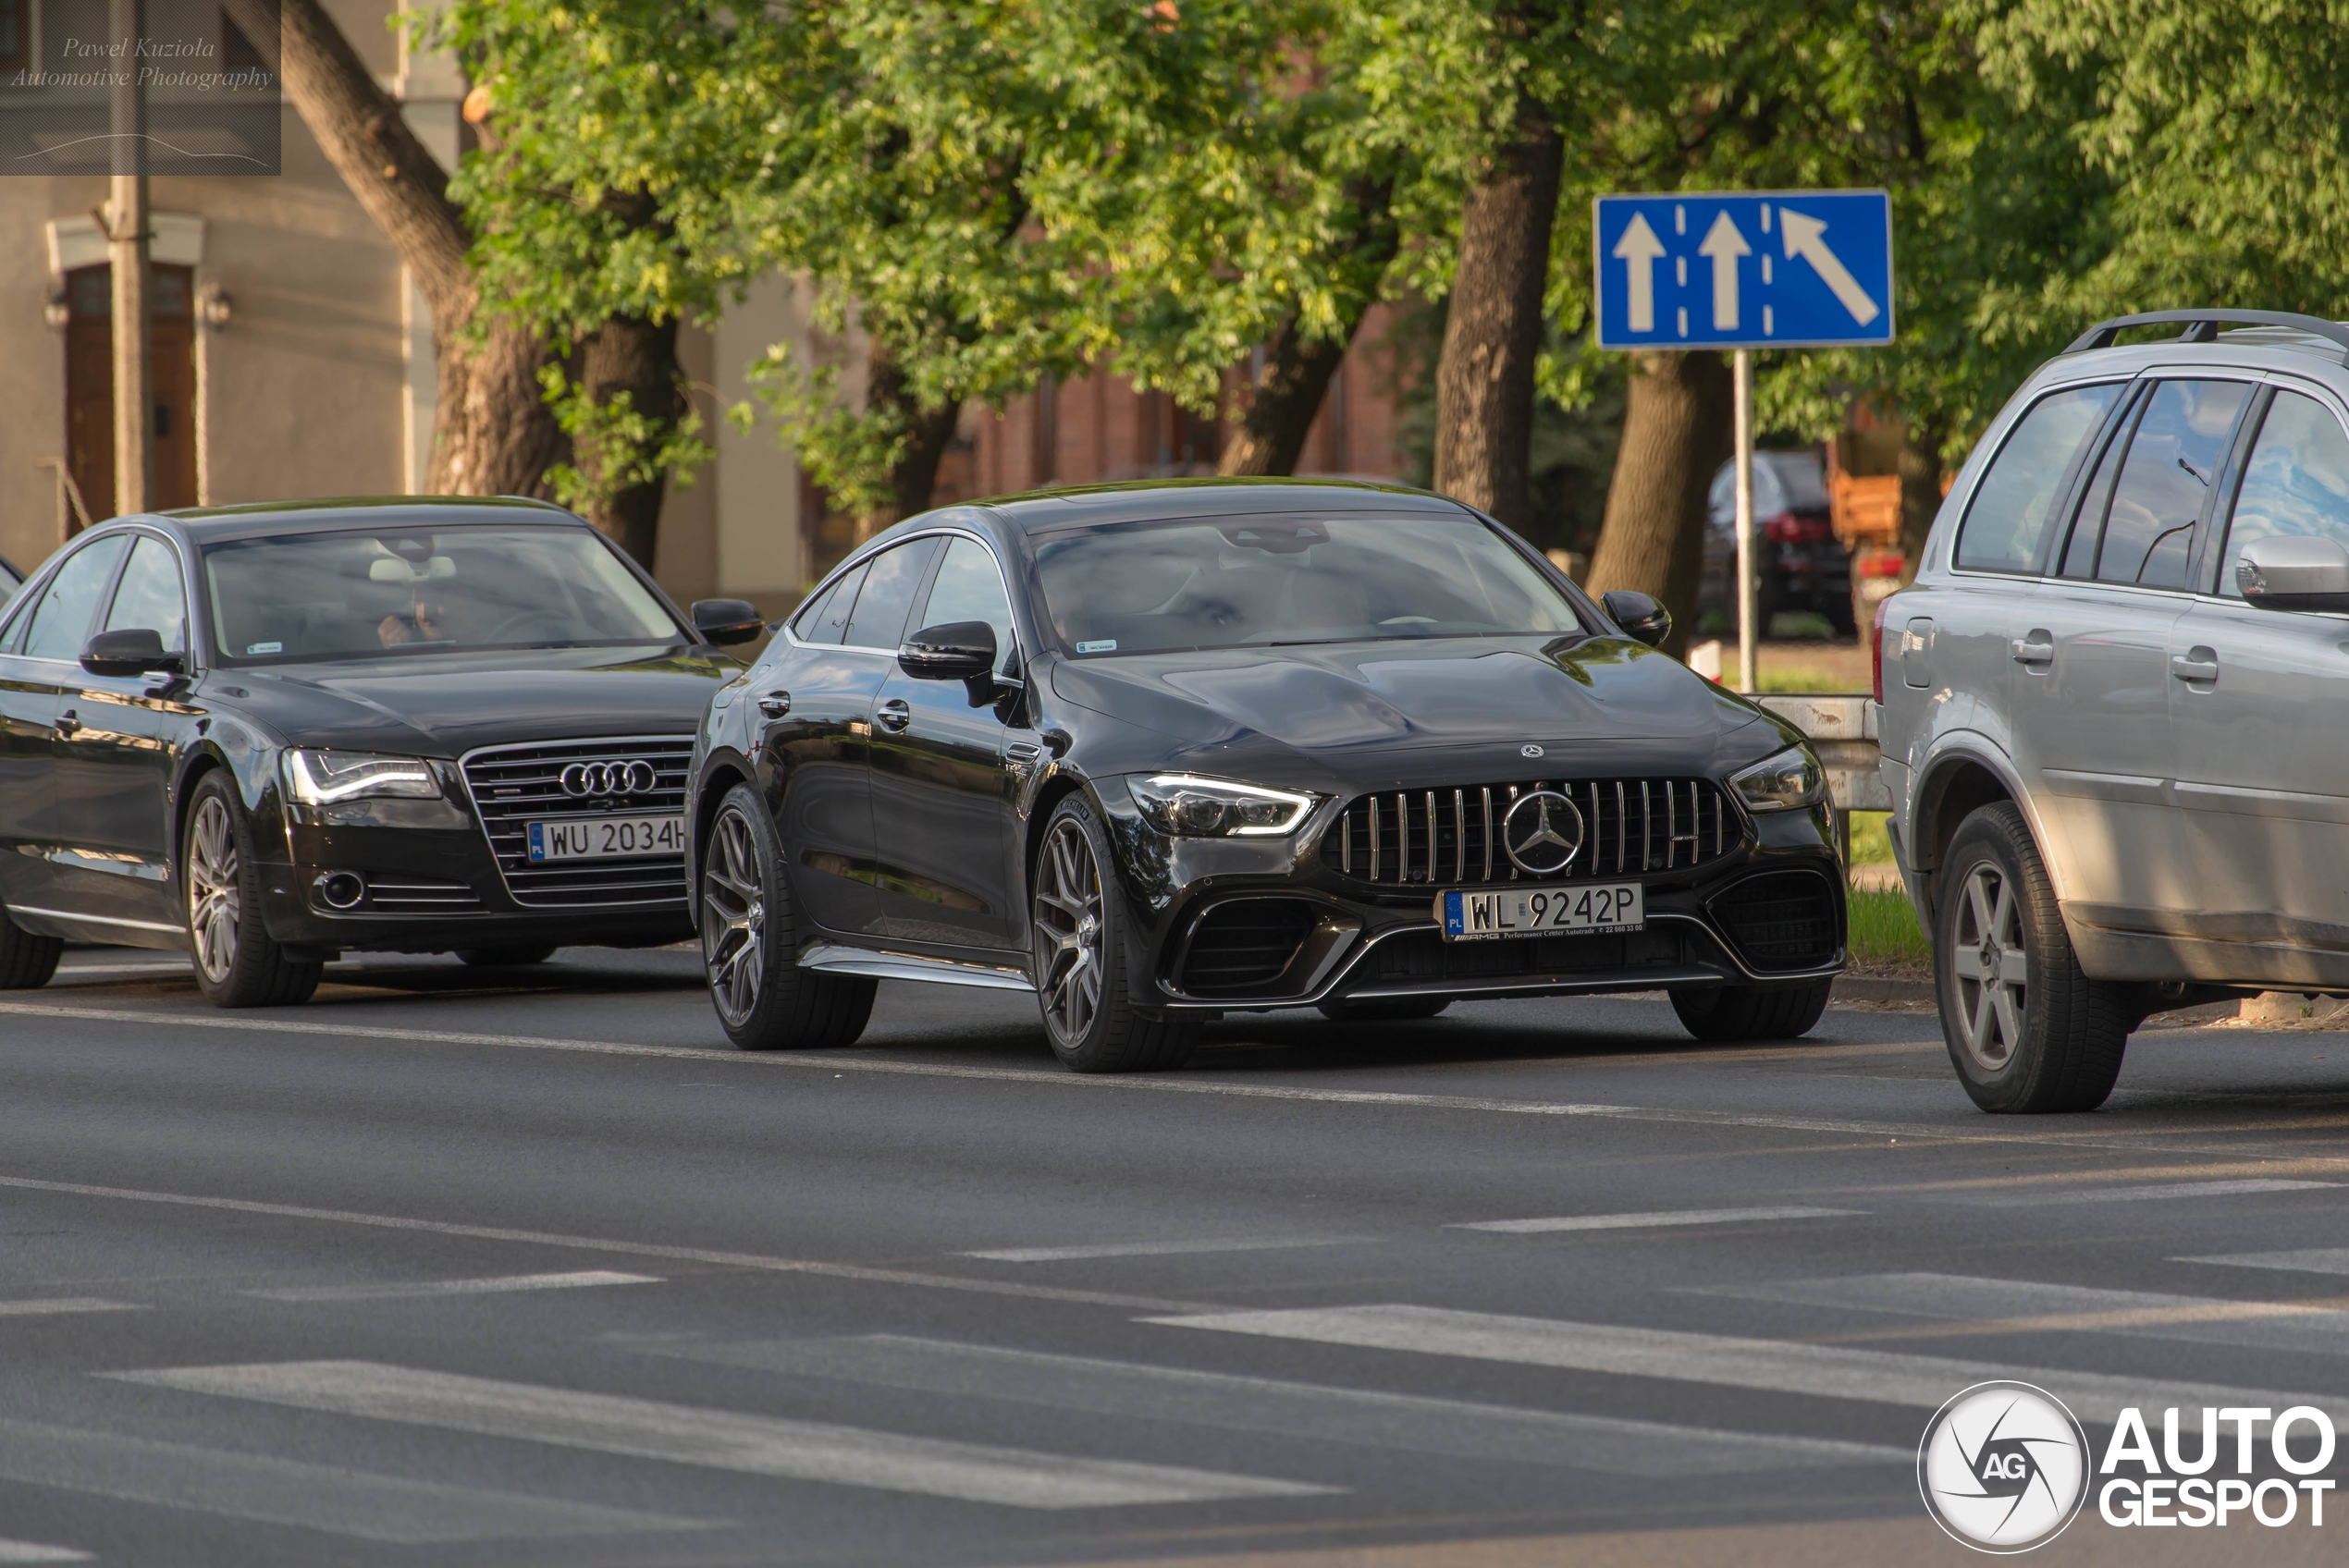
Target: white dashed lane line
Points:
(397, 1290)
(60, 1305)
(1642, 1222)
(1160, 1249)
(2157, 1192)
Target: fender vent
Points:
(1785, 920)
(1243, 945)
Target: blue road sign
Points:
(1760, 269)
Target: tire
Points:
(750, 943)
(1751, 1012)
(237, 964)
(26, 960)
(1393, 1010)
(1082, 953)
(2057, 1046)
(504, 958)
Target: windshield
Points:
(348, 596)
(1228, 583)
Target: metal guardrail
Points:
(1841, 728)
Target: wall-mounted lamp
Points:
(56, 309)
(213, 307)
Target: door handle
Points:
(2038, 648)
(2186, 667)
(774, 704)
(69, 721)
(894, 714)
(1023, 752)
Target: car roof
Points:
(206, 524)
(1152, 499)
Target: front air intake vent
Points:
(1785, 920)
(1244, 945)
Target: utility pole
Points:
(1741, 417)
(134, 419)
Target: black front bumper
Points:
(1231, 925)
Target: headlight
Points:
(1792, 779)
(323, 779)
(1189, 807)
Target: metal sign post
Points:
(1764, 269)
(134, 418)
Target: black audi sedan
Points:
(1161, 752)
(271, 734)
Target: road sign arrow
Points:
(1725, 245)
(1803, 240)
(1638, 250)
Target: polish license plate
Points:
(596, 837)
(1580, 907)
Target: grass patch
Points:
(1885, 934)
(1791, 679)
(1870, 840)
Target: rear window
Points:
(2006, 523)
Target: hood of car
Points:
(445, 705)
(1486, 697)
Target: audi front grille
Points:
(1452, 836)
(515, 786)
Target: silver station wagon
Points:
(2115, 705)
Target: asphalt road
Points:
(530, 1268)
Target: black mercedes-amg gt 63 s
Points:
(1162, 752)
(267, 735)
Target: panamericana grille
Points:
(1783, 921)
(1453, 835)
(515, 786)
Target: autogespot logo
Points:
(2003, 1468)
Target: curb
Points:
(1873, 989)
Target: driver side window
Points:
(969, 588)
(62, 621)
(2297, 481)
(151, 596)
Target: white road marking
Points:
(2265, 1324)
(604, 1245)
(398, 1291)
(67, 972)
(1969, 1130)
(1828, 1371)
(1641, 1221)
(1407, 1422)
(2153, 1192)
(32, 1552)
(717, 1439)
(64, 1304)
(1158, 1249)
(281, 1491)
(2305, 1260)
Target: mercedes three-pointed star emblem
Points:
(1541, 832)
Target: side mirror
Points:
(1642, 618)
(2295, 572)
(959, 650)
(726, 621)
(133, 651)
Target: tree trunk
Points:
(492, 431)
(1920, 491)
(1484, 377)
(1296, 379)
(1675, 434)
(630, 355)
(929, 432)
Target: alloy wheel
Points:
(1991, 967)
(734, 918)
(1068, 931)
(213, 898)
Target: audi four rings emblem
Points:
(1541, 832)
(587, 781)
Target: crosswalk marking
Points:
(32, 1552)
(1407, 1422)
(719, 1439)
(1830, 1371)
(1964, 1304)
(392, 1290)
(1641, 1221)
(64, 1304)
(281, 1491)
(1158, 1249)
(2154, 1192)
(2305, 1260)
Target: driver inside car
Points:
(445, 613)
